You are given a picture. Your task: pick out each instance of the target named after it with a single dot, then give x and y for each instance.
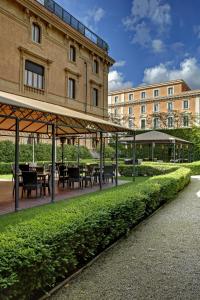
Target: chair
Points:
(95, 173)
(74, 176)
(47, 184)
(24, 167)
(14, 181)
(88, 176)
(108, 173)
(30, 182)
(39, 169)
(62, 175)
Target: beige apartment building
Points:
(48, 55)
(169, 104)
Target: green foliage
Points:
(7, 151)
(42, 152)
(194, 167)
(147, 169)
(108, 153)
(154, 168)
(58, 239)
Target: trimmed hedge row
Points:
(37, 253)
(146, 169)
(154, 168)
(194, 166)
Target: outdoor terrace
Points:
(7, 200)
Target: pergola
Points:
(154, 137)
(27, 115)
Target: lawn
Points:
(30, 213)
(6, 176)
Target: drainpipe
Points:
(86, 86)
(53, 165)
(17, 165)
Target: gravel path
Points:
(159, 260)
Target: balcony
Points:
(61, 13)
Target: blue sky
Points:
(151, 40)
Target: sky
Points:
(150, 40)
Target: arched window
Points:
(36, 33)
(72, 53)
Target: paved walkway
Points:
(159, 260)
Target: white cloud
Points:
(119, 64)
(197, 31)
(142, 35)
(148, 20)
(189, 70)
(178, 47)
(153, 10)
(158, 46)
(93, 17)
(116, 81)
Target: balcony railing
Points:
(56, 9)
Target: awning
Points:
(35, 116)
(155, 137)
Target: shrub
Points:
(146, 169)
(36, 253)
(194, 166)
(42, 152)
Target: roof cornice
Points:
(40, 11)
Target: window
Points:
(170, 122)
(95, 67)
(170, 91)
(72, 53)
(143, 109)
(143, 95)
(130, 97)
(143, 124)
(185, 104)
(71, 88)
(156, 93)
(34, 75)
(130, 110)
(155, 123)
(185, 121)
(95, 97)
(36, 33)
(169, 106)
(130, 123)
(116, 99)
(156, 107)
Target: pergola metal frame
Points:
(23, 118)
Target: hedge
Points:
(194, 166)
(35, 254)
(154, 168)
(42, 152)
(146, 170)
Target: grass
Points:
(6, 176)
(30, 213)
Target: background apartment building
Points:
(169, 104)
(48, 55)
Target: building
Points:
(48, 55)
(169, 104)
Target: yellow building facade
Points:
(169, 104)
(48, 55)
